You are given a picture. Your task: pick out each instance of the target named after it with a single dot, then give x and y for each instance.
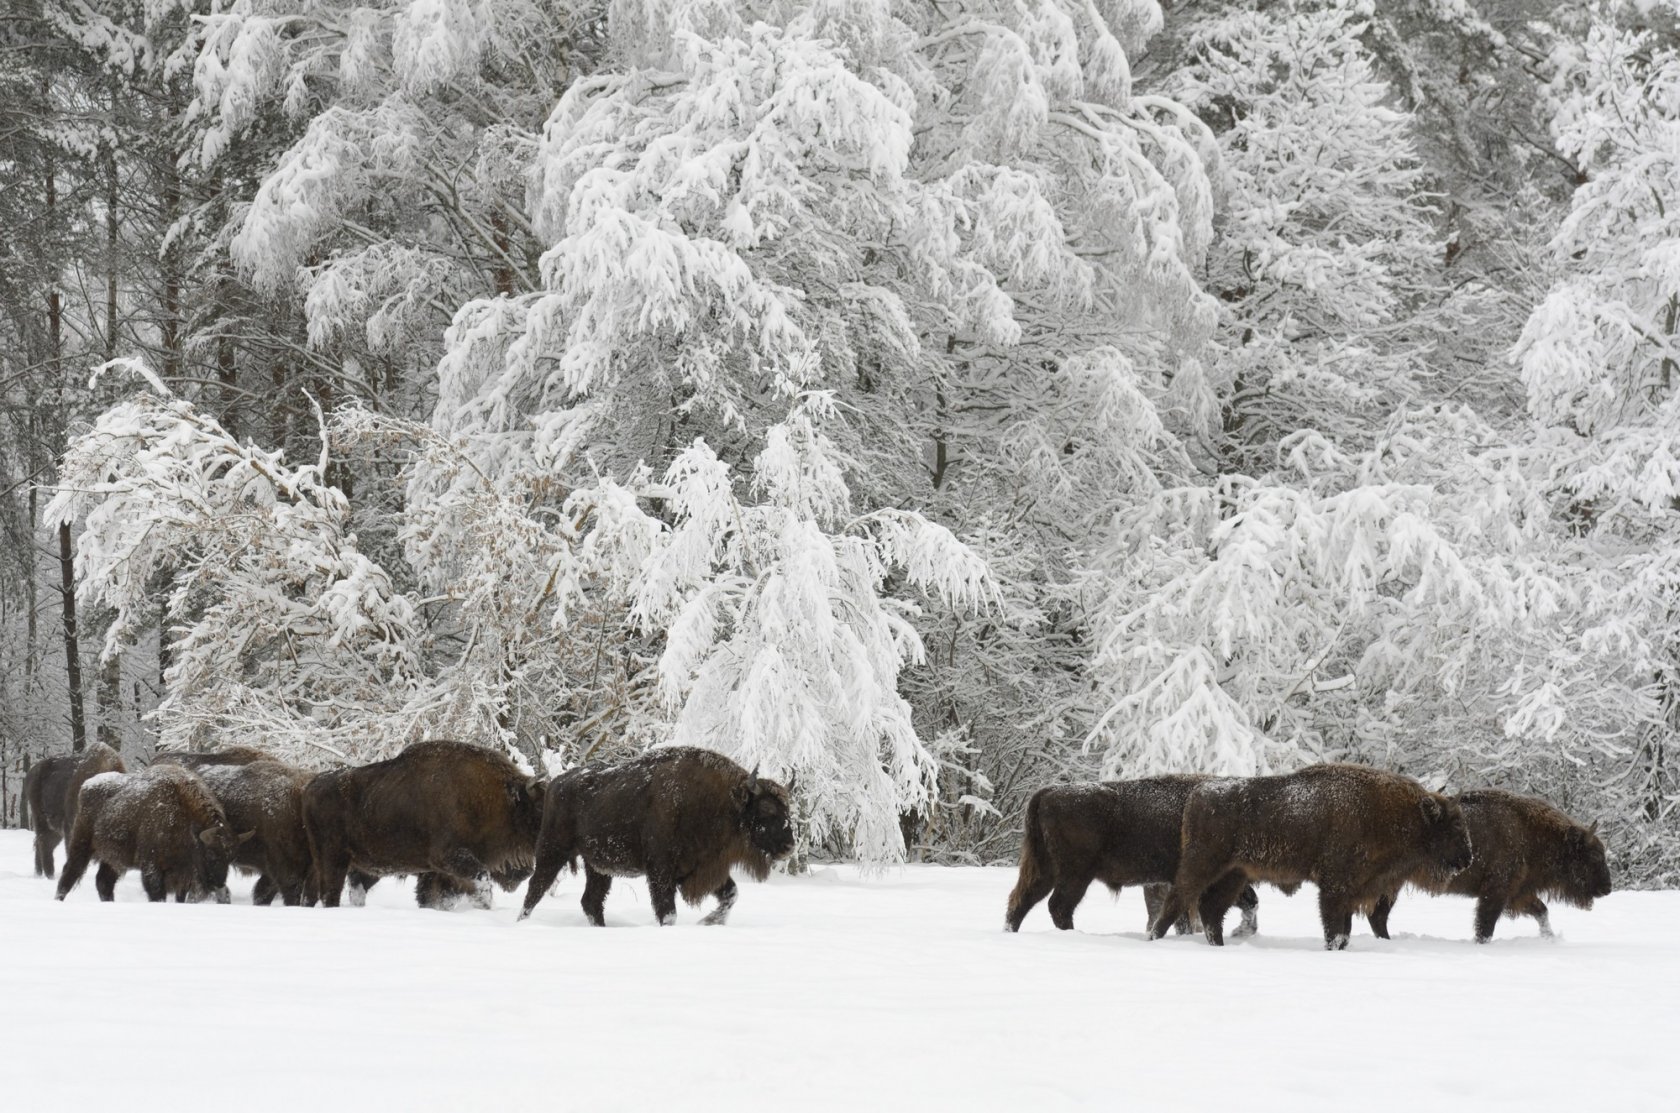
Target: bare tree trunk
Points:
(72, 651)
(66, 554)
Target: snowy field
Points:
(827, 992)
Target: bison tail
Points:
(1034, 881)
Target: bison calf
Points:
(682, 816)
(439, 806)
(1117, 832)
(265, 797)
(163, 822)
(1523, 850)
(1356, 833)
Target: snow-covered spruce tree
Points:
(281, 631)
(874, 255)
(1600, 358)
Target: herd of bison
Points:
(462, 817)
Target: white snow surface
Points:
(831, 991)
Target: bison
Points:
(439, 806)
(1357, 833)
(52, 786)
(682, 816)
(203, 759)
(266, 797)
(44, 787)
(1117, 832)
(1524, 850)
(162, 821)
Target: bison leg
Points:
(359, 883)
(1175, 905)
(264, 891)
(1488, 911)
(595, 895)
(1066, 897)
(725, 895)
(151, 879)
(1336, 913)
(77, 854)
(662, 891)
(1534, 906)
(542, 880)
(1248, 901)
(105, 881)
(1215, 901)
(46, 840)
(1379, 914)
(1027, 893)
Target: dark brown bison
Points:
(1117, 832)
(44, 787)
(163, 822)
(445, 807)
(1356, 833)
(682, 816)
(266, 797)
(1523, 851)
(52, 786)
(203, 759)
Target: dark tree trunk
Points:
(72, 654)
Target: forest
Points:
(930, 400)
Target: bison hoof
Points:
(1336, 943)
(223, 896)
(714, 919)
(1244, 930)
(668, 919)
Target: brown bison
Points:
(44, 787)
(52, 786)
(203, 759)
(439, 806)
(162, 821)
(682, 816)
(1524, 850)
(265, 797)
(1117, 832)
(1356, 833)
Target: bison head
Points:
(213, 851)
(768, 818)
(1447, 835)
(1584, 873)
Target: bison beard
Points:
(679, 815)
(1356, 833)
(1117, 832)
(163, 822)
(1523, 850)
(439, 806)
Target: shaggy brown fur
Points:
(1117, 832)
(1356, 833)
(96, 759)
(195, 760)
(266, 797)
(163, 822)
(447, 807)
(682, 816)
(44, 787)
(1523, 851)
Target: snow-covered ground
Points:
(827, 992)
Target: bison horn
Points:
(1593, 830)
(534, 786)
(754, 773)
(207, 836)
(246, 837)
